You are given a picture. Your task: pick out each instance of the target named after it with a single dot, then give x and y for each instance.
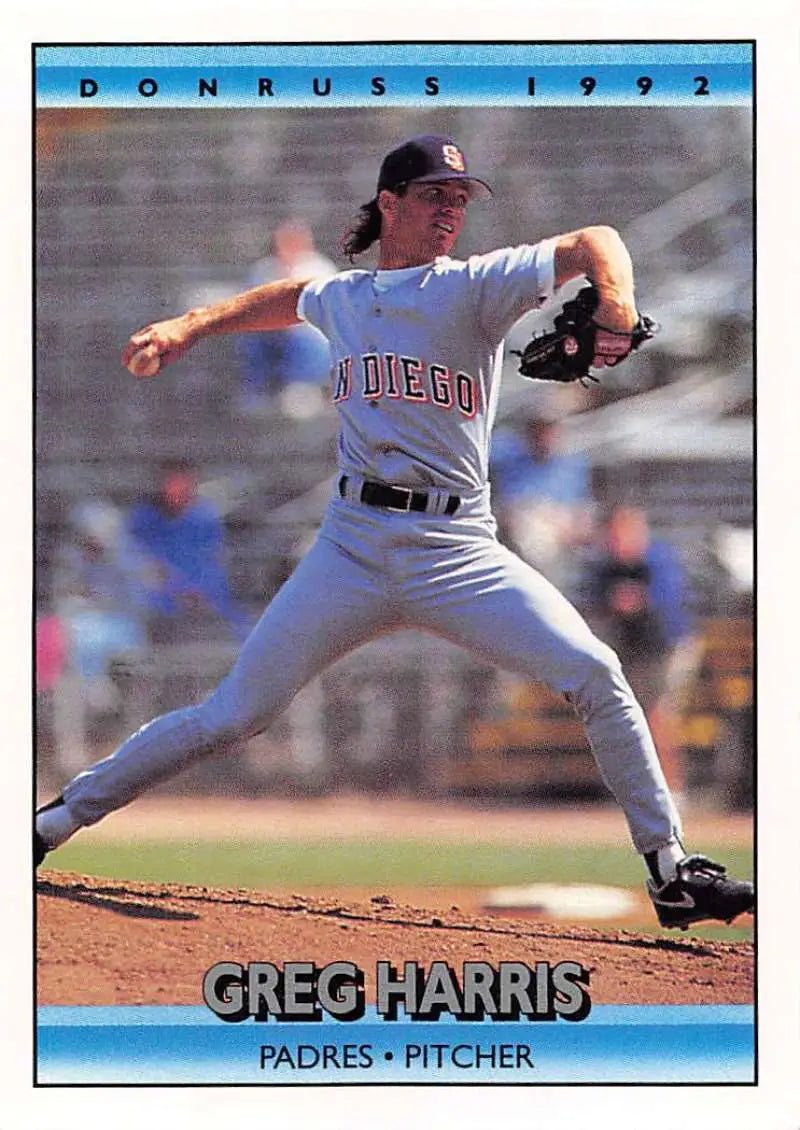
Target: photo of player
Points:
(406, 396)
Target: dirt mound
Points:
(104, 941)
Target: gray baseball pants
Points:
(371, 571)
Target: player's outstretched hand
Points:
(159, 344)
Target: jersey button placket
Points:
(377, 310)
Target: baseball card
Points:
(394, 607)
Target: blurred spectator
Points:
(52, 651)
(638, 590)
(292, 364)
(178, 540)
(98, 604)
(52, 647)
(542, 498)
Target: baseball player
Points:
(408, 539)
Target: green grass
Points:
(300, 865)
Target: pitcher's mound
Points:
(106, 941)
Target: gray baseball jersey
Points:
(417, 359)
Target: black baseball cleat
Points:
(40, 849)
(699, 890)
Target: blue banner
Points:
(407, 75)
(614, 1044)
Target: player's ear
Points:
(387, 202)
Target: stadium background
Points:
(142, 213)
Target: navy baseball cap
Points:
(431, 157)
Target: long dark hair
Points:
(366, 227)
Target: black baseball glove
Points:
(566, 352)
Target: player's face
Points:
(426, 220)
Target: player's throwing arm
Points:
(269, 307)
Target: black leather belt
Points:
(397, 498)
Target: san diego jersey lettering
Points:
(418, 358)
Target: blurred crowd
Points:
(630, 585)
(128, 581)
(289, 367)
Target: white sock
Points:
(55, 825)
(668, 857)
(662, 863)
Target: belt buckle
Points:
(403, 509)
